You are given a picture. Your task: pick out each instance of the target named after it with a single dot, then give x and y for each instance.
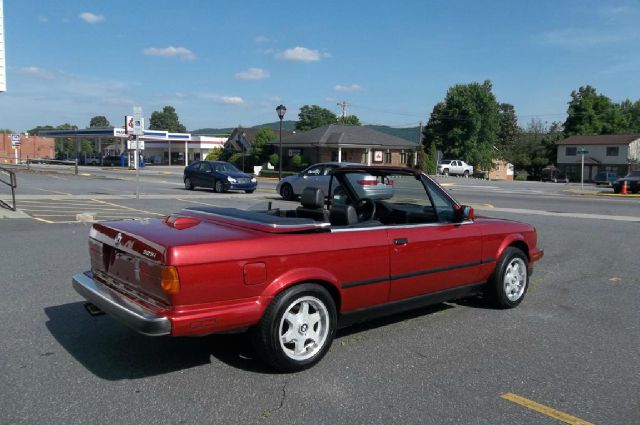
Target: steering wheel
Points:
(366, 209)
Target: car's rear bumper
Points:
(118, 306)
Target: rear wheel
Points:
(297, 328)
(510, 279)
(286, 191)
(249, 191)
(466, 173)
(187, 184)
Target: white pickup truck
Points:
(455, 167)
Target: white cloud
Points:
(181, 52)
(232, 100)
(302, 54)
(43, 19)
(348, 88)
(580, 38)
(91, 18)
(261, 39)
(227, 100)
(180, 94)
(36, 72)
(252, 74)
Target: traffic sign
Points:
(15, 140)
(138, 126)
(583, 151)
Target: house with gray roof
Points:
(618, 153)
(346, 143)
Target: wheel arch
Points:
(516, 241)
(301, 276)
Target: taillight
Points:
(170, 282)
(367, 182)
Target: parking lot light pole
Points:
(582, 152)
(281, 110)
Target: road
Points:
(571, 347)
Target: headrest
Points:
(312, 197)
(343, 215)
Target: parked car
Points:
(605, 178)
(291, 277)
(319, 175)
(92, 160)
(633, 182)
(553, 174)
(455, 167)
(111, 160)
(218, 175)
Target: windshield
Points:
(225, 168)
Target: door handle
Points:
(401, 241)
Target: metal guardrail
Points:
(12, 183)
(43, 161)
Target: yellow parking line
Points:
(545, 410)
(128, 208)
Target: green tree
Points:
(99, 121)
(423, 159)
(465, 126)
(296, 162)
(592, 113)
(214, 155)
(508, 131)
(532, 150)
(433, 160)
(314, 116)
(259, 145)
(349, 120)
(166, 120)
(274, 159)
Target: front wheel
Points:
(286, 191)
(445, 171)
(218, 186)
(510, 279)
(297, 328)
(249, 191)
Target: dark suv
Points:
(633, 182)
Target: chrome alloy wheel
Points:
(515, 279)
(303, 328)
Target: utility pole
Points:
(343, 105)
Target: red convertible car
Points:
(291, 277)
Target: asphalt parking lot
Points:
(568, 354)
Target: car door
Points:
(207, 174)
(436, 255)
(311, 177)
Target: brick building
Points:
(30, 147)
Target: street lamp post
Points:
(281, 110)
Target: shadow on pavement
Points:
(113, 352)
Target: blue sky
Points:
(227, 63)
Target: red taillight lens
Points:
(367, 182)
(170, 282)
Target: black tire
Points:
(466, 173)
(249, 191)
(218, 186)
(445, 172)
(187, 184)
(500, 292)
(274, 327)
(286, 191)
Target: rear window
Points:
(446, 161)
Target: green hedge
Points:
(274, 173)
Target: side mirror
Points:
(464, 213)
